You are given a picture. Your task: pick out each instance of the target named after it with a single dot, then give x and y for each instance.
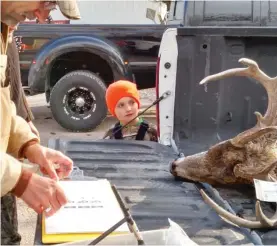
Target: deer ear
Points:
(255, 169)
(253, 134)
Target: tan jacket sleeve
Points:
(20, 134)
(15, 132)
(10, 173)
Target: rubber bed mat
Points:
(140, 171)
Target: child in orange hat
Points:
(122, 98)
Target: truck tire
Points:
(77, 101)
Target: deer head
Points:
(251, 154)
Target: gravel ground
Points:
(147, 97)
(47, 128)
(149, 94)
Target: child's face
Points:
(126, 109)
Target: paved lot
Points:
(49, 128)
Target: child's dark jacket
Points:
(142, 131)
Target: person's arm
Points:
(38, 192)
(11, 169)
(10, 173)
(33, 128)
(20, 135)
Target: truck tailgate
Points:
(140, 172)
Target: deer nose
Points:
(172, 168)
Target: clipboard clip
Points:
(76, 172)
(127, 218)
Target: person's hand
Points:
(47, 159)
(43, 193)
(33, 128)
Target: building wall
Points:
(114, 12)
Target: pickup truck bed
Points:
(140, 170)
(219, 110)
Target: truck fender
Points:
(39, 70)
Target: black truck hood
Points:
(140, 171)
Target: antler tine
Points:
(230, 217)
(269, 222)
(225, 74)
(252, 70)
(270, 85)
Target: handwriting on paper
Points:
(91, 207)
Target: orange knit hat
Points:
(118, 90)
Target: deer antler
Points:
(262, 222)
(269, 119)
(270, 85)
(270, 222)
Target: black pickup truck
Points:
(73, 64)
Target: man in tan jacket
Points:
(9, 221)
(17, 140)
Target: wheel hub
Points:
(80, 102)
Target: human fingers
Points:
(64, 162)
(63, 171)
(58, 200)
(49, 169)
(46, 198)
(54, 206)
(61, 158)
(40, 192)
(59, 171)
(61, 197)
(36, 206)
